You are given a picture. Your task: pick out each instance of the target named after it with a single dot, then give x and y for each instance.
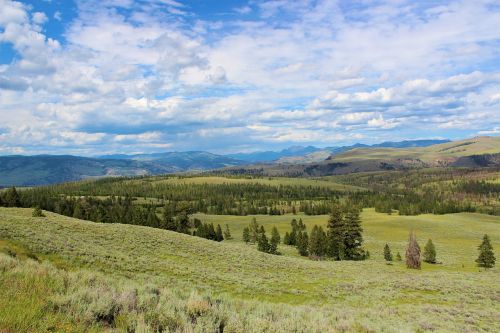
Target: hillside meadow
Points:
(273, 293)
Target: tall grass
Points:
(98, 277)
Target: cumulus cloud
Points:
(149, 75)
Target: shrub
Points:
(430, 252)
(37, 212)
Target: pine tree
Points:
(246, 235)
(253, 229)
(353, 235)
(335, 236)
(286, 239)
(227, 233)
(413, 252)
(486, 258)
(387, 253)
(317, 242)
(398, 257)
(152, 220)
(302, 243)
(11, 198)
(168, 221)
(78, 212)
(275, 240)
(218, 234)
(263, 242)
(430, 252)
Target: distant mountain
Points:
(185, 161)
(50, 169)
(476, 152)
(269, 156)
(322, 154)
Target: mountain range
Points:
(18, 170)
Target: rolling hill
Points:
(473, 153)
(120, 277)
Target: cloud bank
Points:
(143, 76)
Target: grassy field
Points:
(474, 146)
(255, 289)
(272, 181)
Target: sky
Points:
(120, 76)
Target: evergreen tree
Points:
(253, 229)
(387, 253)
(227, 233)
(37, 212)
(182, 222)
(275, 240)
(486, 257)
(78, 211)
(430, 252)
(286, 239)
(335, 228)
(398, 257)
(317, 242)
(413, 252)
(302, 243)
(218, 234)
(152, 220)
(353, 235)
(168, 221)
(246, 235)
(262, 241)
(11, 198)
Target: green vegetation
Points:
(486, 257)
(148, 278)
(387, 253)
(430, 252)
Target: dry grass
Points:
(262, 292)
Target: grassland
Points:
(257, 289)
(270, 181)
(474, 146)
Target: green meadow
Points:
(182, 283)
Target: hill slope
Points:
(474, 153)
(345, 295)
(49, 169)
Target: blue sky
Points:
(121, 76)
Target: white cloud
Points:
(143, 74)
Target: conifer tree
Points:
(275, 240)
(302, 243)
(152, 220)
(253, 229)
(227, 233)
(387, 253)
(286, 239)
(168, 221)
(246, 235)
(78, 212)
(11, 198)
(262, 241)
(317, 242)
(398, 257)
(430, 252)
(353, 235)
(335, 228)
(486, 258)
(413, 252)
(218, 234)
